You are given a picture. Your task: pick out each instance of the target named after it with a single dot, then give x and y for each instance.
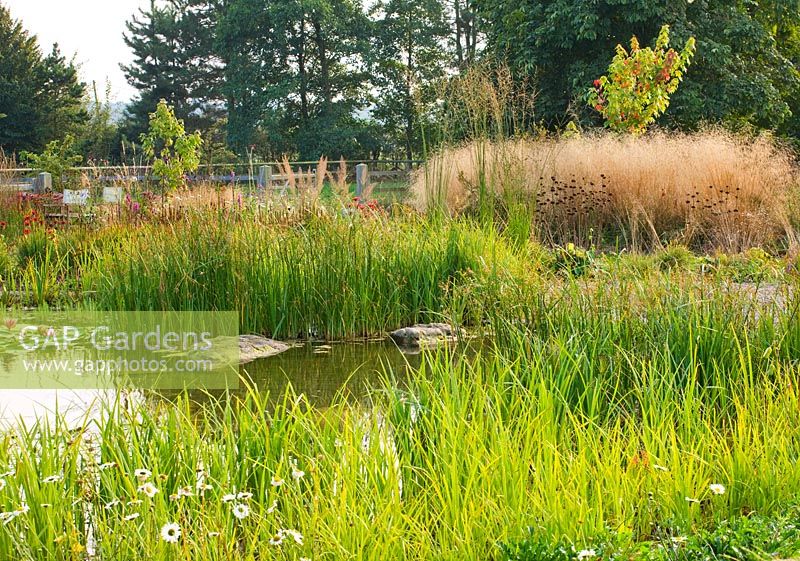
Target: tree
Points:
(739, 75)
(295, 75)
(638, 85)
(174, 60)
(410, 58)
(40, 96)
(172, 151)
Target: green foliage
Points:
(573, 260)
(40, 96)
(56, 158)
(172, 151)
(409, 61)
(638, 85)
(743, 74)
(6, 260)
(676, 256)
(174, 58)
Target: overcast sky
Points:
(90, 29)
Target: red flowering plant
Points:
(371, 207)
(638, 85)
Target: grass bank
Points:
(614, 423)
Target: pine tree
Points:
(173, 60)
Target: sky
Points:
(89, 29)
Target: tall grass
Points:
(332, 277)
(566, 437)
(709, 189)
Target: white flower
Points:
(111, 504)
(213, 534)
(717, 488)
(134, 502)
(272, 507)
(295, 535)
(148, 489)
(185, 492)
(241, 511)
(107, 465)
(52, 479)
(244, 496)
(297, 474)
(678, 539)
(277, 539)
(202, 487)
(7, 474)
(142, 474)
(586, 554)
(276, 481)
(228, 498)
(170, 532)
(130, 517)
(2, 484)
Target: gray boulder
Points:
(424, 335)
(254, 347)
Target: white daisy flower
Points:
(241, 511)
(142, 474)
(277, 539)
(202, 487)
(586, 554)
(295, 535)
(174, 497)
(52, 478)
(717, 488)
(111, 504)
(276, 481)
(298, 474)
(228, 498)
(148, 489)
(678, 539)
(130, 517)
(170, 532)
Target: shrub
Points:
(639, 83)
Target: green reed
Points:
(597, 412)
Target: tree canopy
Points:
(41, 97)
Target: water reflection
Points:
(317, 371)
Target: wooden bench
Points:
(72, 208)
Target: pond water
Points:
(318, 371)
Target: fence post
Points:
(43, 182)
(362, 179)
(265, 177)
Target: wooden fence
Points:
(253, 175)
